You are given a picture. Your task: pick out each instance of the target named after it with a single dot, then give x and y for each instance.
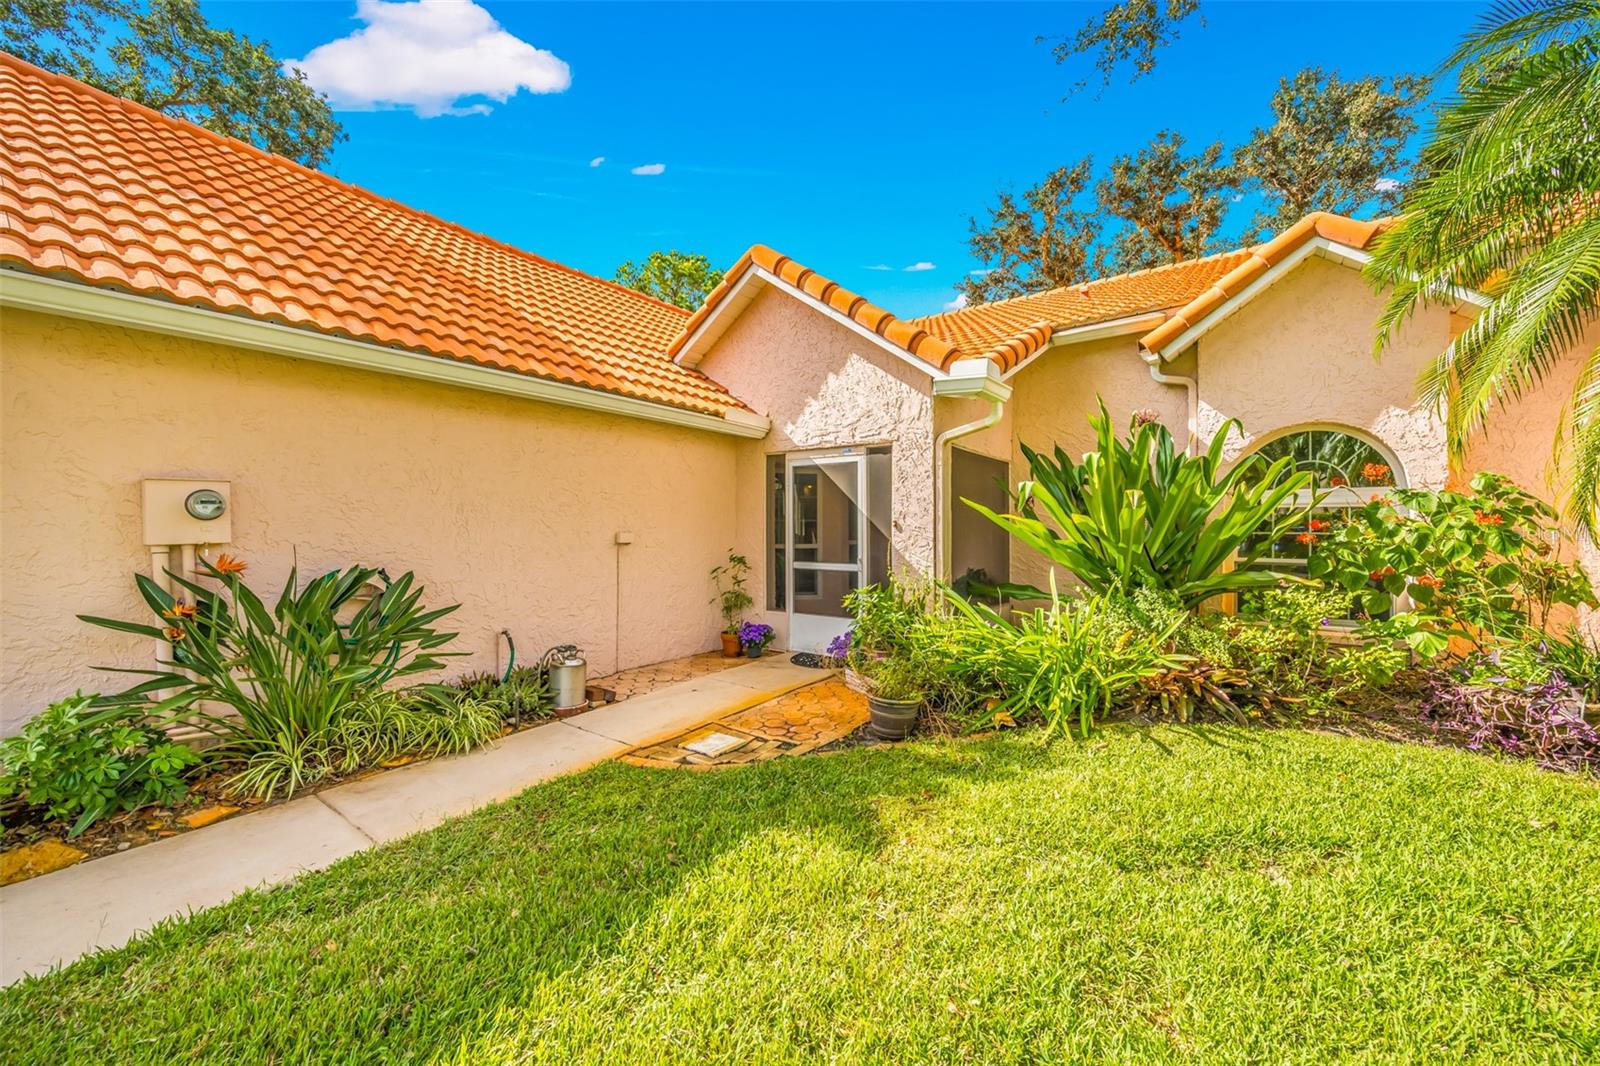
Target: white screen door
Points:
(826, 543)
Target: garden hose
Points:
(511, 655)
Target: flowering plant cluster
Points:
(754, 636)
(1480, 566)
(838, 648)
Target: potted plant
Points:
(894, 696)
(754, 638)
(732, 599)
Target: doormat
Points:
(806, 658)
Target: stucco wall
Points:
(1300, 355)
(824, 386)
(505, 506)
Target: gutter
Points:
(975, 379)
(32, 292)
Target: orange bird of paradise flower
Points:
(179, 610)
(227, 564)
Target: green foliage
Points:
(1173, 204)
(1481, 566)
(894, 678)
(1039, 242)
(887, 617)
(1140, 513)
(377, 727)
(287, 675)
(674, 277)
(1577, 656)
(1128, 32)
(83, 763)
(523, 693)
(1062, 664)
(168, 58)
(1506, 207)
(1330, 145)
(733, 597)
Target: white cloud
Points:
(434, 56)
(1237, 197)
(597, 160)
(649, 170)
(982, 273)
(917, 268)
(880, 266)
(958, 303)
(1385, 185)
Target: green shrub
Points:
(1575, 654)
(427, 721)
(895, 679)
(887, 617)
(1061, 664)
(289, 675)
(523, 693)
(1141, 513)
(83, 763)
(1480, 566)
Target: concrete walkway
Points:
(54, 919)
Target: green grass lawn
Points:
(1214, 895)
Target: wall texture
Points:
(1300, 355)
(825, 386)
(505, 506)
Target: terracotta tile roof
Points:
(926, 344)
(102, 191)
(1187, 292)
(981, 326)
(1258, 261)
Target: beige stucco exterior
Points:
(825, 386)
(506, 506)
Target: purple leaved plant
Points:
(1544, 723)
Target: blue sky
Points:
(847, 136)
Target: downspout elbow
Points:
(1191, 389)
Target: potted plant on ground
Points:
(754, 638)
(732, 599)
(894, 696)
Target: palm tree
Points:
(1509, 206)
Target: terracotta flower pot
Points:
(893, 719)
(730, 646)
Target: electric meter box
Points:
(186, 511)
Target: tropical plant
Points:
(285, 676)
(1062, 664)
(1507, 207)
(1577, 655)
(1481, 566)
(1141, 513)
(380, 726)
(82, 763)
(733, 597)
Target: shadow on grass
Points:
(409, 951)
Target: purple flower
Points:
(755, 635)
(839, 646)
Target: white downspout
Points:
(1191, 388)
(941, 477)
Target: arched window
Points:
(1347, 470)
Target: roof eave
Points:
(74, 299)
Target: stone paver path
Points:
(643, 679)
(792, 724)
